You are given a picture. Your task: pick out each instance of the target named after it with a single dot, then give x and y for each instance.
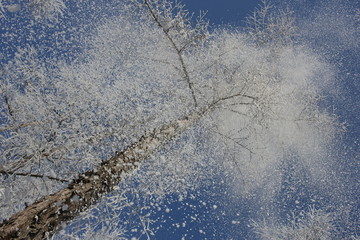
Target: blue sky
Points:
(228, 12)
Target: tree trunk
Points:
(42, 218)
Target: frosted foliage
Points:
(120, 54)
(175, 20)
(274, 108)
(178, 168)
(269, 27)
(311, 225)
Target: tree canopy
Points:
(146, 105)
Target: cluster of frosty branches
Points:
(176, 22)
(314, 224)
(266, 26)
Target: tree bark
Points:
(42, 218)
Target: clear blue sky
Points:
(226, 12)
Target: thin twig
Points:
(32, 175)
(18, 126)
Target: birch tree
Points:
(72, 129)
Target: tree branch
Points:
(18, 126)
(4, 172)
(177, 49)
(233, 96)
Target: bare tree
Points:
(146, 76)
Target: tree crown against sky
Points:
(143, 66)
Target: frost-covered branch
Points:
(4, 172)
(311, 225)
(18, 126)
(173, 17)
(267, 27)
